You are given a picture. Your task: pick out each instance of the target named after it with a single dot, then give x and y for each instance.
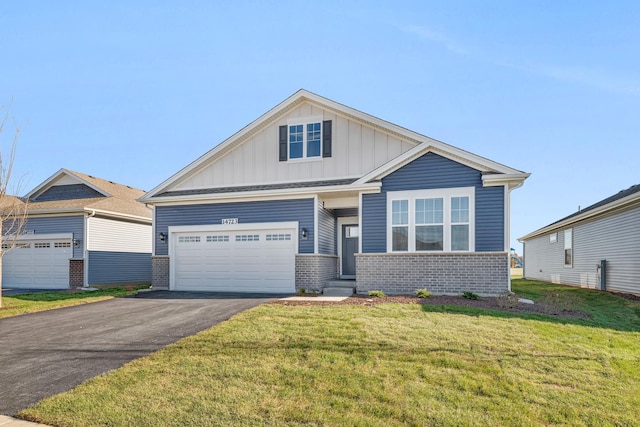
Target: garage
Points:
(40, 262)
(234, 259)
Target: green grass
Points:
(388, 364)
(40, 301)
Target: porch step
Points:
(339, 288)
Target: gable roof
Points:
(621, 200)
(112, 199)
(423, 144)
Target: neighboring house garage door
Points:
(37, 263)
(234, 260)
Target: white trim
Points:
(444, 193)
(344, 220)
(172, 230)
(452, 153)
(507, 221)
(85, 249)
(360, 221)
(46, 184)
(251, 196)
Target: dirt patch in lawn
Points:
(485, 302)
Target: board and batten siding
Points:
(356, 150)
(615, 238)
(300, 210)
(118, 267)
(60, 224)
(109, 235)
(432, 171)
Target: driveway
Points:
(46, 353)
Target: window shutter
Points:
(282, 143)
(326, 138)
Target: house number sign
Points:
(228, 221)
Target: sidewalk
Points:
(6, 421)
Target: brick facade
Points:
(76, 273)
(312, 271)
(484, 273)
(160, 272)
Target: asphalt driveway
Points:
(46, 353)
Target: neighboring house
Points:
(313, 191)
(80, 231)
(572, 250)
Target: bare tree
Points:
(13, 210)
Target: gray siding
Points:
(490, 219)
(118, 267)
(432, 172)
(374, 223)
(615, 238)
(68, 192)
(61, 224)
(326, 232)
(300, 210)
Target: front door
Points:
(350, 244)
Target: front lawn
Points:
(40, 301)
(387, 364)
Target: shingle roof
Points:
(634, 189)
(619, 195)
(122, 199)
(267, 187)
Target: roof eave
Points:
(631, 200)
(511, 181)
(372, 187)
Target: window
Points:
(214, 239)
(553, 238)
(304, 138)
(62, 245)
(431, 220)
(272, 237)
(247, 238)
(429, 224)
(400, 225)
(40, 245)
(568, 247)
(188, 239)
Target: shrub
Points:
(376, 294)
(470, 295)
(423, 293)
(302, 291)
(508, 299)
(555, 302)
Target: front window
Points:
(400, 225)
(305, 140)
(429, 224)
(431, 220)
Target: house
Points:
(313, 191)
(80, 230)
(596, 247)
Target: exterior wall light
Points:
(303, 233)
(163, 236)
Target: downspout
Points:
(85, 251)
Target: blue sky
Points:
(134, 91)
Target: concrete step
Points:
(338, 291)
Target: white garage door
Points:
(248, 260)
(41, 264)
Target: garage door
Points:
(249, 260)
(42, 264)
